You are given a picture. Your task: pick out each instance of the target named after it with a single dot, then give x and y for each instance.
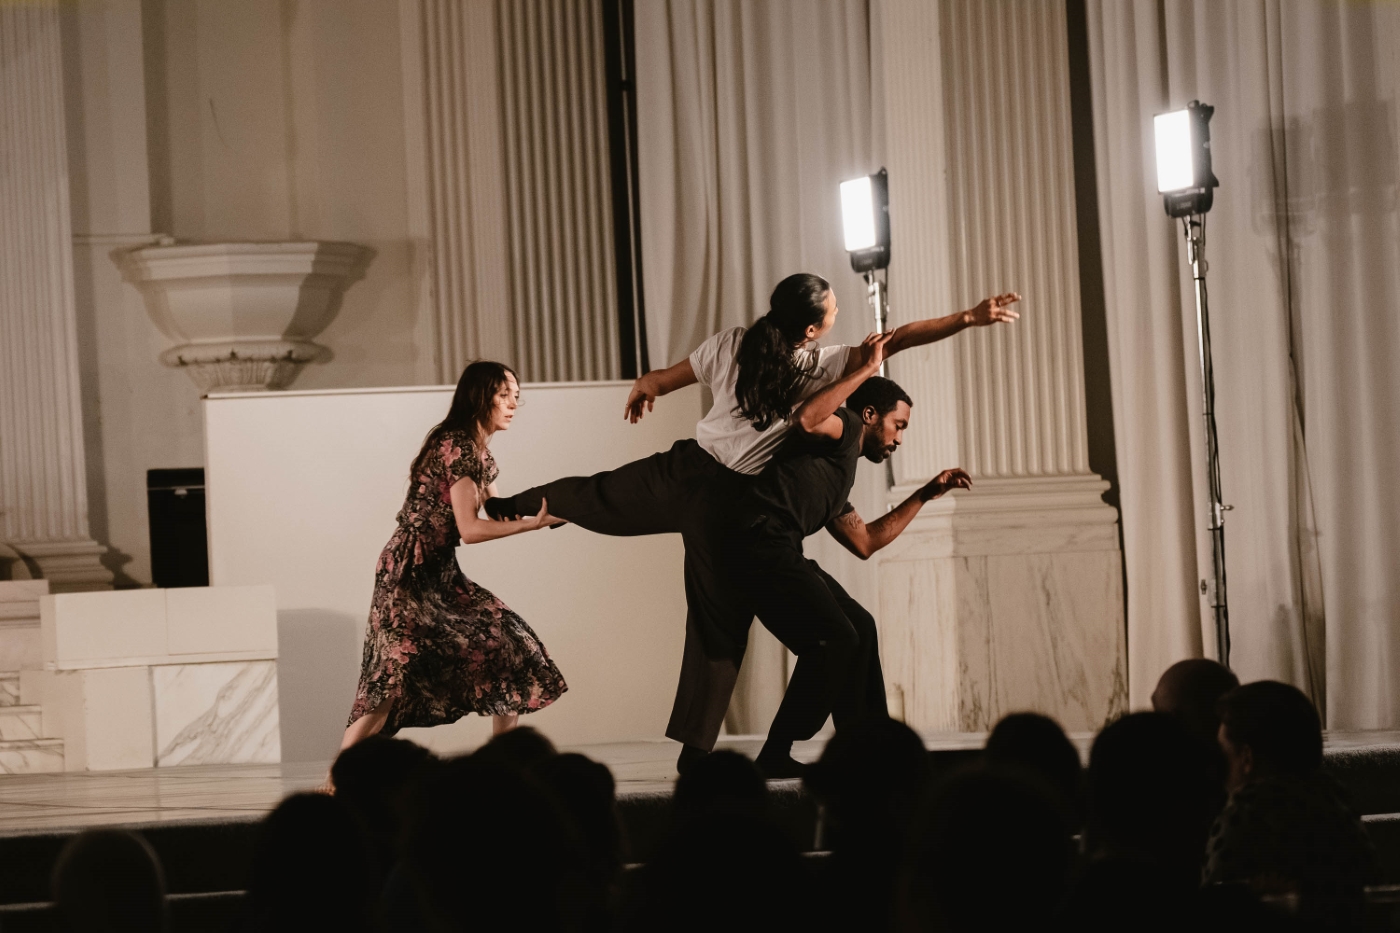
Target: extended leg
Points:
(644, 497)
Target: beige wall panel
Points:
(303, 490)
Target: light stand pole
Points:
(1194, 228)
(877, 293)
(1187, 186)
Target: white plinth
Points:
(143, 678)
(1003, 601)
(19, 624)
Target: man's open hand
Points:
(994, 310)
(948, 479)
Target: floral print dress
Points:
(439, 645)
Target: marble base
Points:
(9, 689)
(20, 723)
(35, 756)
(20, 646)
(216, 713)
(1006, 600)
(69, 566)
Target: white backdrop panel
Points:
(303, 488)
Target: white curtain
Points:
(1304, 252)
(749, 116)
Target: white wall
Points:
(303, 490)
(209, 120)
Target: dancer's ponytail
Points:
(770, 379)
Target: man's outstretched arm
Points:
(863, 539)
(988, 311)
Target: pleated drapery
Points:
(554, 126)
(1304, 250)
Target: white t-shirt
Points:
(725, 434)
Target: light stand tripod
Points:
(1194, 227)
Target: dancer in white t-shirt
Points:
(757, 377)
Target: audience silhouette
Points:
(992, 851)
(1189, 690)
(372, 778)
(108, 880)
(1289, 831)
(517, 836)
(1038, 748)
(869, 782)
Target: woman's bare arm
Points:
(466, 504)
(921, 333)
(647, 389)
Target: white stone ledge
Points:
(160, 660)
(137, 628)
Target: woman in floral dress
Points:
(439, 646)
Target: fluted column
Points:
(555, 122)
(509, 188)
(43, 490)
(1008, 596)
(456, 183)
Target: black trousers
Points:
(682, 490)
(838, 657)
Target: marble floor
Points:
(33, 803)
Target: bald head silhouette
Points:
(1189, 690)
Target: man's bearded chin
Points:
(875, 451)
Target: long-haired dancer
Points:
(440, 646)
(757, 376)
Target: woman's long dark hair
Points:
(770, 379)
(471, 405)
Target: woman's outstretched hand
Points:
(639, 400)
(544, 519)
(994, 310)
(872, 350)
(948, 479)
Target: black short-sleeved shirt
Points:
(809, 479)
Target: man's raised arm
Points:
(863, 539)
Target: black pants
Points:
(682, 490)
(838, 658)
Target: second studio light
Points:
(1184, 176)
(865, 214)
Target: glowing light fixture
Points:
(865, 213)
(1184, 176)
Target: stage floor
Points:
(36, 803)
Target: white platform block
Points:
(33, 756)
(9, 689)
(20, 642)
(103, 717)
(216, 713)
(127, 628)
(144, 678)
(1006, 602)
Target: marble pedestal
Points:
(143, 678)
(19, 624)
(1003, 599)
